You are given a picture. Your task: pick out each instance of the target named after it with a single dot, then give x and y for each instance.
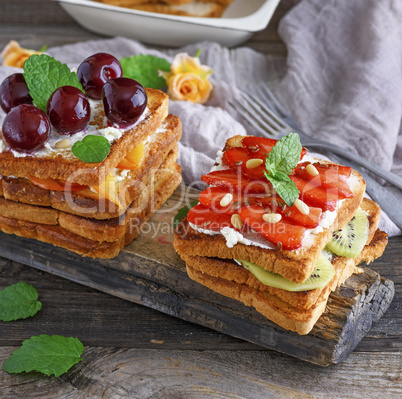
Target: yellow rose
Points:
(14, 55)
(188, 80)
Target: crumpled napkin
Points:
(341, 81)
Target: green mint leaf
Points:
(182, 213)
(18, 301)
(281, 160)
(43, 48)
(91, 149)
(144, 69)
(285, 155)
(285, 187)
(43, 75)
(47, 354)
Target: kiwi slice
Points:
(350, 239)
(321, 276)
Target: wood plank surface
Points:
(137, 352)
(149, 272)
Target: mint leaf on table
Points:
(182, 213)
(280, 162)
(44, 74)
(145, 69)
(47, 354)
(18, 301)
(91, 148)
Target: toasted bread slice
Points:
(229, 279)
(294, 265)
(136, 216)
(93, 229)
(67, 167)
(196, 8)
(305, 299)
(158, 145)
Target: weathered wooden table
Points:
(134, 351)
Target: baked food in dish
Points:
(244, 242)
(188, 8)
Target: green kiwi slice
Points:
(350, 239)
(321, 276)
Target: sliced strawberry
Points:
(234, 181)
(291, 214)
(237, 157)
(313, 194)
(208, 219)
(329, 176)
(212, 197)
(260, 147)
(282, 234)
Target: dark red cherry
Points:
(14, 91)
(124, 101)
(95, 71)
(26, 128)
(68, 110)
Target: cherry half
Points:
(124, 101)
(14, 91)
(68, 110)
(96, 70)
(26, 128)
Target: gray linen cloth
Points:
(341, 81)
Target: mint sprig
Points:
(91, 148)
(182, 213)
(280, 162)
(18, 301)
(44, 74)
(145, 69)
(47, 354)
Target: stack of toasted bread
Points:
(228, 254)
(189, 8)
(94, 209)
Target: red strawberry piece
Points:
(282, 234)
(329, 176)
(260, 147)
(235, 182)
(212, 197)
(237, 157)
(208, 219)
(291, 214)
(313, 194)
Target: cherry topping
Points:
(124, 101)
(26, 128)
(68, 110)
(96, 70)
(14, 91)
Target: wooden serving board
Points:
(149, 272)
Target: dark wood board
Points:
(149, 272)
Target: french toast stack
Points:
(243, 241)
(188, 8)
(93, 209)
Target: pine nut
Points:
(253, 163)
(272, 217)
(302, 207)
(311, 170)
(62, 144)
(226, 200)
(236, 221)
